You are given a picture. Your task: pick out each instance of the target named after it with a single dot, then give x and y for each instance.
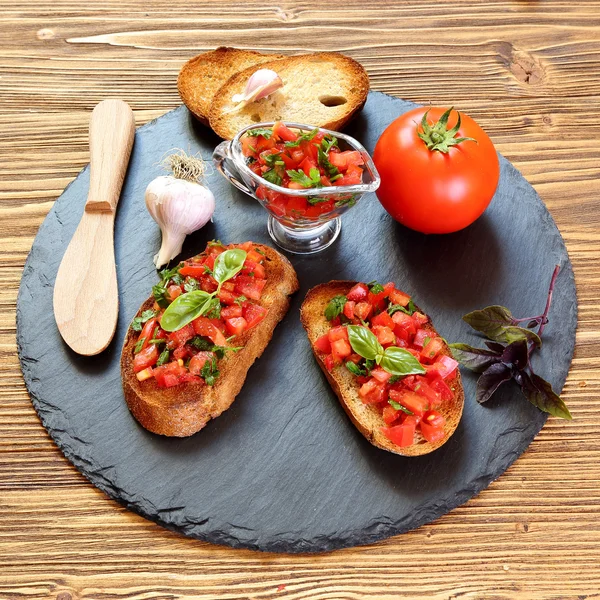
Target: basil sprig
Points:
(191, 305)
(396, 361)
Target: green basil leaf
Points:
(409, 310)
(163, 358)
(138, 346)
(210, 372)
(228, 264)
(401, 362)
(397, 406)
(365, 343)
(355, 369)
(335, 307)
(185, 308)
(136, 324)
(265, 132)
(497, 324)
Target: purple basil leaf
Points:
(540, 393)
(532, 323)
(476, 359)
(497, 324)
(495, 346)
(491, 380)
(516, 354)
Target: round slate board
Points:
(284, 469)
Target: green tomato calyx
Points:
(438, 136)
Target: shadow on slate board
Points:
(284, 469)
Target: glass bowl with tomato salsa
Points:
(304, 176)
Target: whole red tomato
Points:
(436, 177)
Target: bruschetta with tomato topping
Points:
(393, 374)
(188, 349)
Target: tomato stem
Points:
(438, 136)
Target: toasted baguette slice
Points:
(204, 74)
(324, 89)
(186, 408)
(366, 417)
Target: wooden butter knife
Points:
(86, 299)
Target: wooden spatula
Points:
(86, 300)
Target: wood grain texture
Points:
(528, 71)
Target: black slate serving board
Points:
(283, 469)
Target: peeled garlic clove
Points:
(262, 83)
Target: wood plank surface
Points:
(528, 71)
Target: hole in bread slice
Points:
(328, 100)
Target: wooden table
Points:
(528, 71)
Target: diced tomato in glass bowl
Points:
(305, 177)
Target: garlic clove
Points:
(262, 83)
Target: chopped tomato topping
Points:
(146, 358)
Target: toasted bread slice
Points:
(367, 418)
(324, 89)
(201, 76)
(186, 408)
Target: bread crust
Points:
(367, 418)
(226, 124)
(183, 410)
(201, 76)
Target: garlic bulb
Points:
(179, 204)
(262, 83)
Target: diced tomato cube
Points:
(180, 337)
(195, 271)
(147, 332)
(349, 309)
(398, 297)
(296, 206)
(146, 358)
(402, 435)
(182, 353)
(283, 132)
(358, 293)
(385, 335)
(383, 319)
(445, 366)
(431, 349)
(169, 375)
(198, 362)
(420, 318)
(340, 349)
(372, 392)
(441, 387)
(174, 291)
(252, 267)
(253, 313)
(255, 256)
(390, 414)
(380, 375)
(421, 335)
(307, 164)
(231, 311)
(236, 325)
(362, 310)
(355, 358)
(323, 344)
(203, 326)
(424, 389)
(432, 426)
(338, 333)
(251, 287)
(329, 363)
(376, 300)
(412, 401)
(405, 326)
(227, 297)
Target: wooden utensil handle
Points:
(112, 129)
